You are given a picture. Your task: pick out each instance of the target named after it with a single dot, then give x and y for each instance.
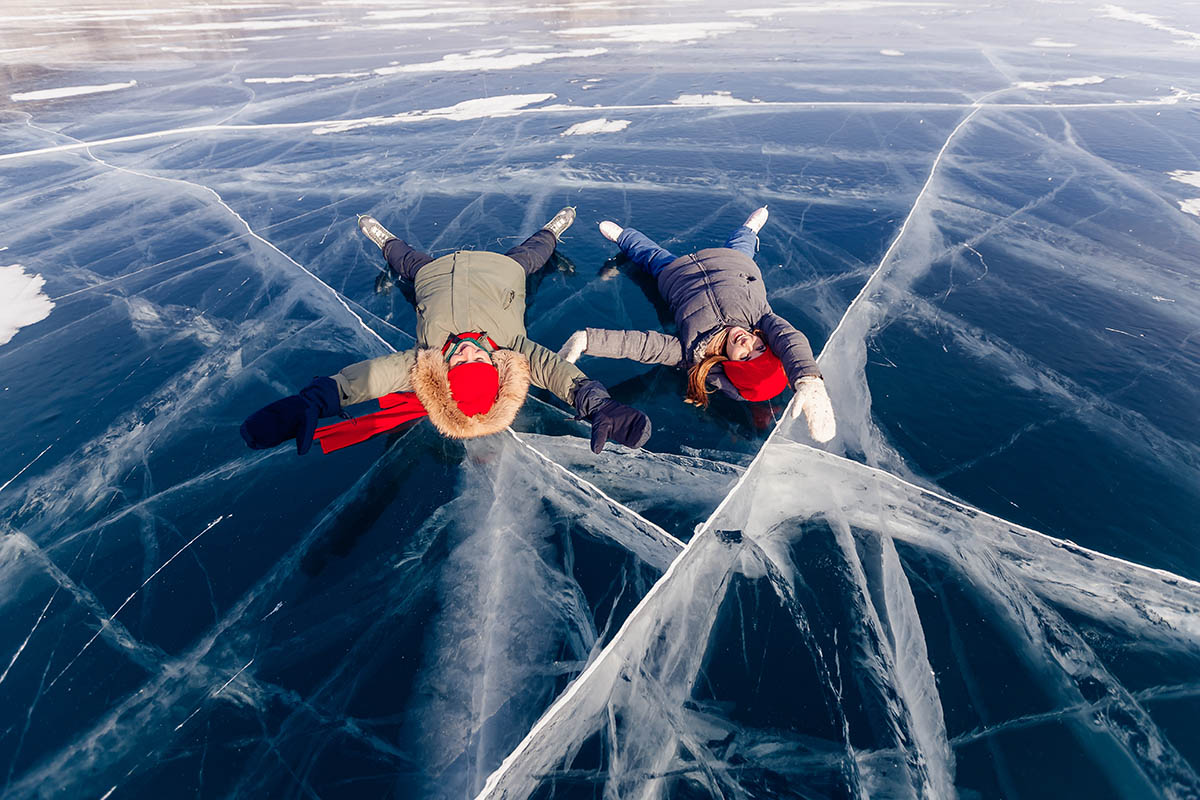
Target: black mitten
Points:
(619, 422)
(610, 419)
(293, 417)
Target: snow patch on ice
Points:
(566, 156)
(601, 125)
(12, 50)
(846, 7)
(241, 25)
(69, 91)
(891, 52)
(1043, 41)
(478, 60)
(429, 26)
(22, 301)
(1185, 176)
(484, 59)
(478, 108)
(415, 13)
(308, 78)
(659, 33)
(1190, 206)
(717, 98)
(1176, 96)
(178, 49)
(84, 15)
(1045, 86)
(1150, 21)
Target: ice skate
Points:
(374, 231)
(560, 222)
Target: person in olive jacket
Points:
(473, 364)
(729, 339)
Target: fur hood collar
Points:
(430, 382)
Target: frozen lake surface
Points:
(985, 219)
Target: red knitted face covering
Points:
(760, 378)
(474, 387)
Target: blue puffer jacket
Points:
(709, 291)
(714, 288)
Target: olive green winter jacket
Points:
(463, 292)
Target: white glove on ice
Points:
(813, 401)
(576, 343)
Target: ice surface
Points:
(650, 708)
(985, 586)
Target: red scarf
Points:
(397, 409)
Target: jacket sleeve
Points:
(791, 346)
(717, 380)
(367, 380)
(648, 347)
(548, 371)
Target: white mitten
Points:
(813, 401)
(573, 348)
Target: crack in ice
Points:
(106, 623)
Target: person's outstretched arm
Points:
(791, 346)
(375, 377)
(812, 400)
(296, 416)
(609, 419)
(648, 347)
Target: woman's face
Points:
(468, 353)
(742, 345)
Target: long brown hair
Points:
(697, 389)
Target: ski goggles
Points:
(480, 340)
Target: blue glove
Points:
(610, 419)
(293, 417)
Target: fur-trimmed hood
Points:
(432, 386)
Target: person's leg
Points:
(643, 251)
(533, 253)
(744, 240)
(403, 260)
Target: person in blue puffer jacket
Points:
(729, 339)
